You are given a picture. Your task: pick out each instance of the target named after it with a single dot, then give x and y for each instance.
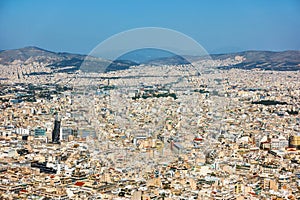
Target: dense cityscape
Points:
(149, 100)
(151, 132)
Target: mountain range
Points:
(69, 62)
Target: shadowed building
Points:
(56, 130)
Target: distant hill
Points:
(267, 60)
(60, 62)
(68, 62)
(173, 60)
(145, 55)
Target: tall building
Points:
(56, 130)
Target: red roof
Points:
(252, 193)
(23, 191)
(198, 139)
(78, 183)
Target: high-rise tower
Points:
(56, 130)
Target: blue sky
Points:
(218, 25)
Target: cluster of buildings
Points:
(218, 134)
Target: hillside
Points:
(267, 60)
(59, 62)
